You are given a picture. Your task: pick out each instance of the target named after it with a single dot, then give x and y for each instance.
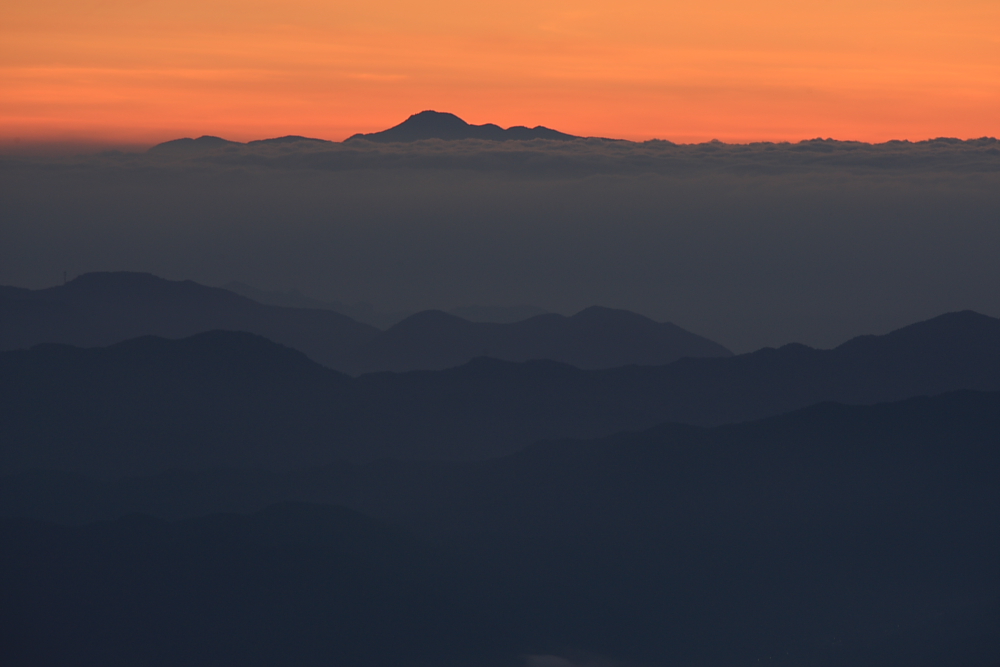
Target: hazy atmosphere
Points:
(751, 245)
(525, 334)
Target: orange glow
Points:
(116, 71)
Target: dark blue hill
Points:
(105, 308)
(861, 535)
(98, 309)
(230, 399)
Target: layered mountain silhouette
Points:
(103, 308)
(193, 475)
(418, 127)
(862, 535)
(365, 312)
(98, 309)
(225, 399)
(593, 338)
(448, 126)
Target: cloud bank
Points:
(750, 245)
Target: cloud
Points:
(751, 245)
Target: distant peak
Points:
(431, 124)
(288, 139)
(429, 117)
(187, 145)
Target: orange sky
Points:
(142, 71)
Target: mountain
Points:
(187, 145)
(593, 338)
(105, 308)
(98, 309)
(861, 535)
(437, 125)
(226, 399)
(288, 139)
(419, 126)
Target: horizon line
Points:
(91, 145)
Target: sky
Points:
(750, 244)
(116, 72)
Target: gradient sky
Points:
(137, 71)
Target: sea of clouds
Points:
(751, 245)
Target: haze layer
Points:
(747, 245)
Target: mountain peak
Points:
(189, 145)
(434, 120)
(442, 125)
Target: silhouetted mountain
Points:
(228, 399)
(861, 535)
(188, 145)
(105, 308)
(288, 139)
(437, 125)
(593, 338)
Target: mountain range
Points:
(186, 479)
(418, 127)
(98, 309)
(862, 535)
(224, 399)
(448, 126)
(366, 313)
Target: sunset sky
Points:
(144, 71)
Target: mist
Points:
(751, 245)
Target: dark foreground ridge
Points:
(834, 535)
(225, 399)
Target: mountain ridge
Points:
(103, 308)
(227, 399)
(771, 534)
(449, 127)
